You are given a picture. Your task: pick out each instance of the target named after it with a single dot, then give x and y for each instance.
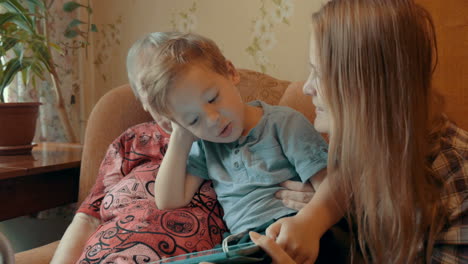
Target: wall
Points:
(451, 76)
(264, 35)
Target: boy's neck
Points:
(252, 116)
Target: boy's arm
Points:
(174, 187)
(75, 237)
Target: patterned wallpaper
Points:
(269, 36)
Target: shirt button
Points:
(236, 165)
(236, 151)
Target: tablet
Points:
(240, 253)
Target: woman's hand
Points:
(297, 238)
(296, 195)
(277, 254)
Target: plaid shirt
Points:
(451, 162)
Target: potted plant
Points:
(25, 52)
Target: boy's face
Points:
(208, 104)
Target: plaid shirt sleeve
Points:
(451, 163)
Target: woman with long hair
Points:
(397, 168)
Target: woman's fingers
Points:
(297, 186)
(277, 254)
(272, 231)
(296, 195)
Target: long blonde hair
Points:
(376, 59)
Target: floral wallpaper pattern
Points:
(185, 21)
(272, 13)
(107, 42)
(263, 37)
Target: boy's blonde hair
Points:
(155, 61)
(376, 60)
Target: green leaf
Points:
(75, 22)
(35, 6)
(7, 17)
(70, 33)
(70, 6)
(94, 28)
(55, 46)
(13, 67)
(37, 3)
(33, 82)
(25, 75)
(13, 6)
(37, 69)
(18, 20)
(41, 52)
(8, 43)
(19, 50)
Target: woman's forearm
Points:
(325, 208)
(75, 237)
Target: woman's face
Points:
(312, 88)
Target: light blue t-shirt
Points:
(284, 145)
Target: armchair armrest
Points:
(39, 255)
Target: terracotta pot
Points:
(17, 127)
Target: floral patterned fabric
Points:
(132, 227)
(258, 86)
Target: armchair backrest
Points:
(118, 110)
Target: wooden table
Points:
(46, 178)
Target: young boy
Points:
(245, 149)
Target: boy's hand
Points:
(163, 122)
(296, 195)
(180, 133)
(297, 237)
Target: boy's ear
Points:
(234, 74)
